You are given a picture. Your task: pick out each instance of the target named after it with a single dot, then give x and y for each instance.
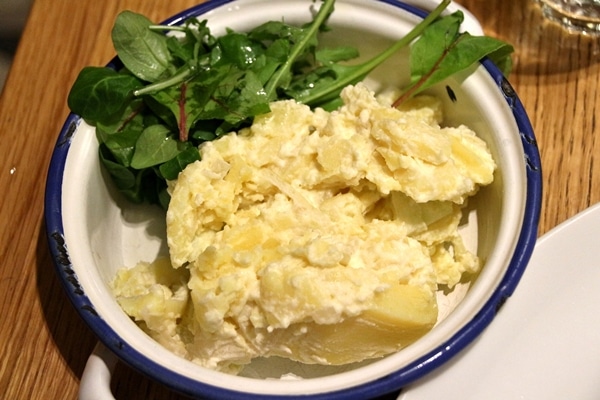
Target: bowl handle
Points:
(95, 381)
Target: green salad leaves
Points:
(177, 91)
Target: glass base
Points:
(572, 21)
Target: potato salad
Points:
(317, 236)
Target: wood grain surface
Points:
(43, 343)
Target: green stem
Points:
(167, 28)
(364, 69)
(320, 18)
(176, 79)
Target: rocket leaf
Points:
(177, 91)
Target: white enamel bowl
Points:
(93, 232)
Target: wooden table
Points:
(44, 344)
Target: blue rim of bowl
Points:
(390, 383)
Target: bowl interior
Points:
(104, 233)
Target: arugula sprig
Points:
(442, 50)
(177, 91)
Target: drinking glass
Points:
(575, 15)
